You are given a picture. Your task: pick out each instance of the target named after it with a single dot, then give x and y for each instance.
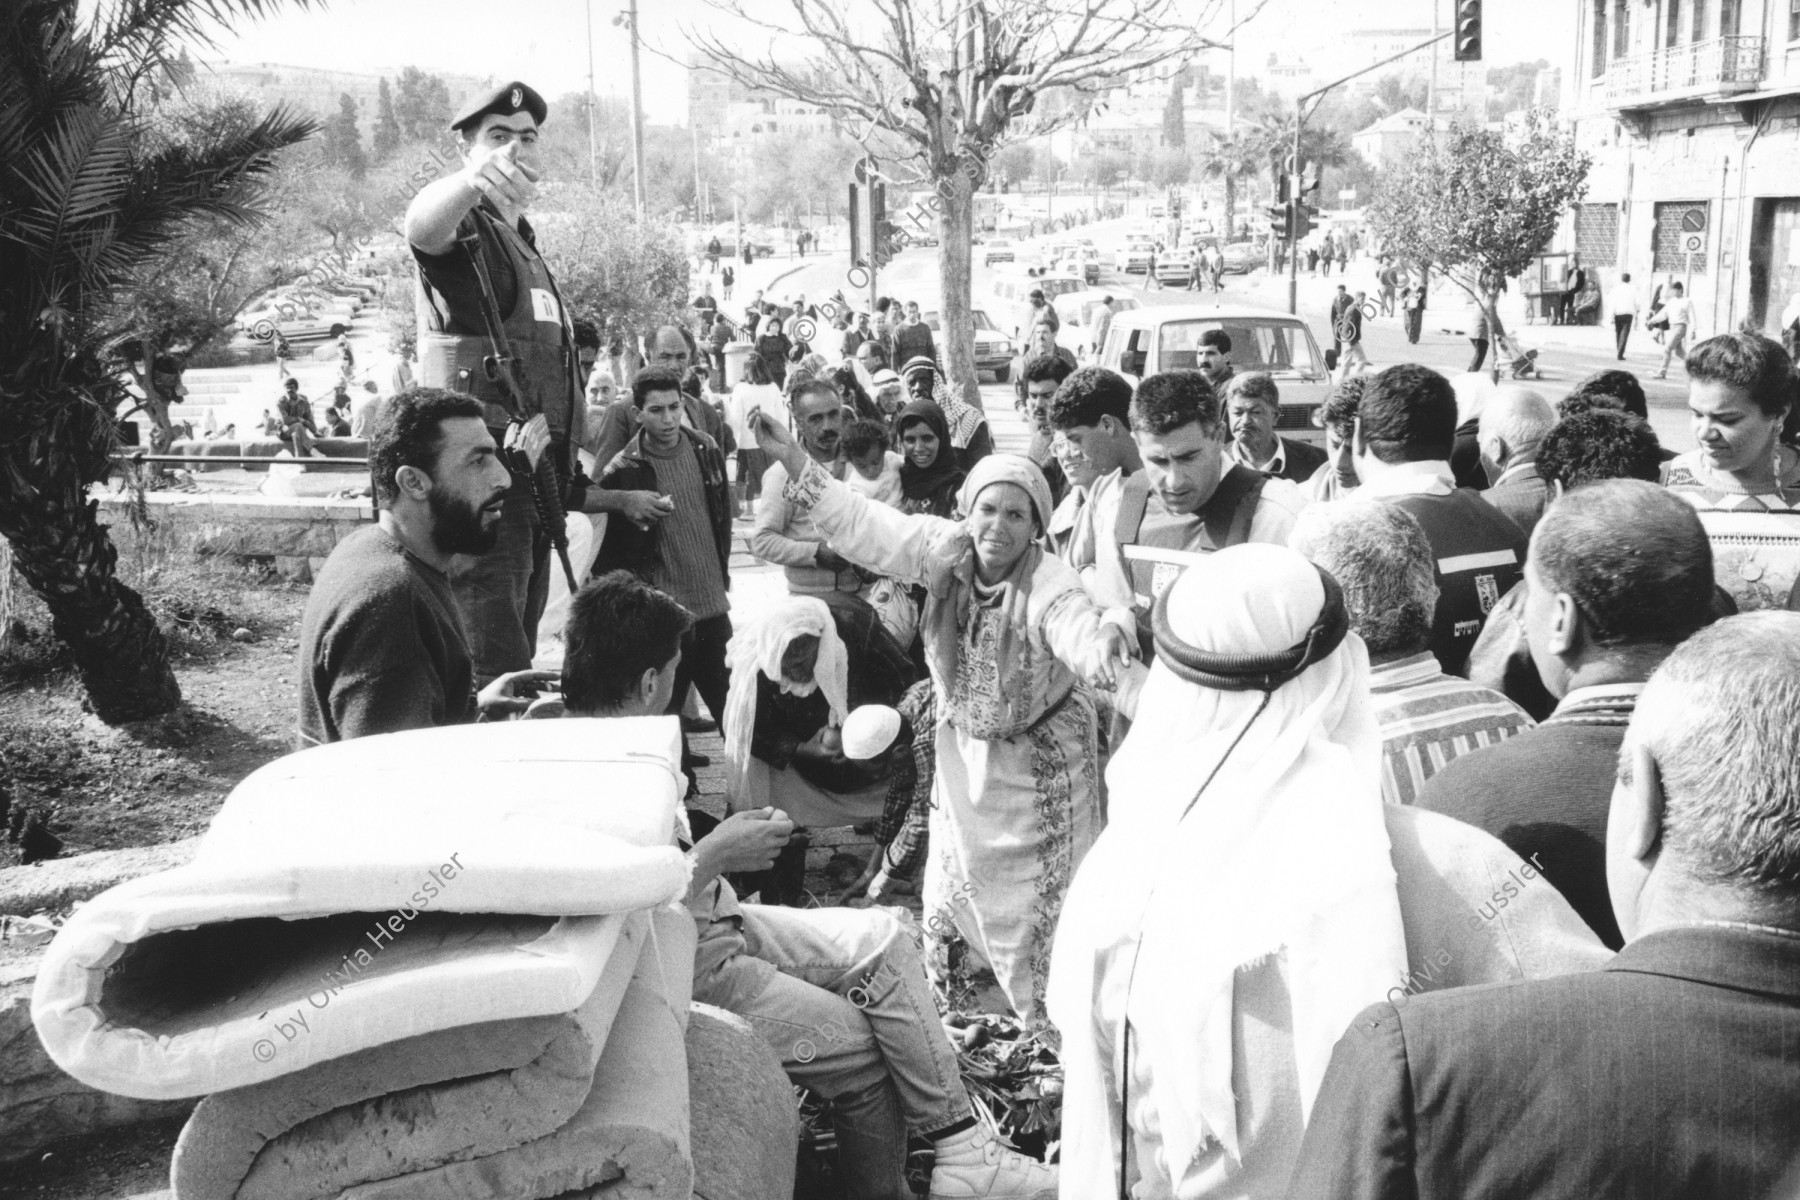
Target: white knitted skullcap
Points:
(870, 730)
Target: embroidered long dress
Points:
(1755, 536)
(1016, 803)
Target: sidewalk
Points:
(1448, 309)
(761, 275)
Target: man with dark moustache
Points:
(501, 594)
(382, 645)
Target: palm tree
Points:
(1240, 156)
(85, 208)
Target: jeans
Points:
(1675, 347)
(840, 996)
(502, 593)
(1621, 331)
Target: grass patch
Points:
(204, 594)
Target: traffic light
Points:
(859, 253)
(1278, 221)
(881, 230)
(1303, 219)
(1306, 193)
(1466, 37)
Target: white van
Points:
(1011, 291)
(1146, 340)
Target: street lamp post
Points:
(593, 143)
(629, 19)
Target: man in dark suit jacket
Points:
(1512, 425)
(1619, 574)
(1253, 405)
(1672, 1072)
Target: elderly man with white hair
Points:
(1512, 425)
(1252, 891)
(1378, 554)
(1670, 1072)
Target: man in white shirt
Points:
(1622, 300)
(1091, 414)
(1678, 312)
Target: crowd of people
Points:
(1415, 816)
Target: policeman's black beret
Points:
(506, 100)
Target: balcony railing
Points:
(1716, 66)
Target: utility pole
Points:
(694, 128)
(593, 144)
(630, 18)
(1431, 88)
(1231, 80)
(1300, 115)
(1298, 205)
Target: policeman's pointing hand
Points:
(498, 175)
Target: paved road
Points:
(1565, 356)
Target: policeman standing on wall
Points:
(480, 210)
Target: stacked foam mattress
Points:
(447, 963)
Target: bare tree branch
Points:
(950, 81)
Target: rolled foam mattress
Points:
(351, 895)
(406, 1106)
(629, 1140)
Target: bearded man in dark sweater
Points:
(1619, 573)
(382, 644)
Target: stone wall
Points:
(293, 534)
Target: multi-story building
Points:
(735, 121)
(1391, 139)
(1691, 110)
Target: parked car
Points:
(997, 250)
(1241, 258)
(1133, 257)
(1144, 341)
(993, 349)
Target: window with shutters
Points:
(1667, 254)
(1597, 234)
(1599, 52)
(1622, 26)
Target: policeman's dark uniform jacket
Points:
(502, 594)
(1157, 545)
(1480, 554)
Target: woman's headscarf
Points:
(964, 422)
(924, 483)
(1284, 848)
(948, 605)
(756, 648)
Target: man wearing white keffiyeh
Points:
(1249, 892)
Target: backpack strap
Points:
(1134, 499)
(1233, 506)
